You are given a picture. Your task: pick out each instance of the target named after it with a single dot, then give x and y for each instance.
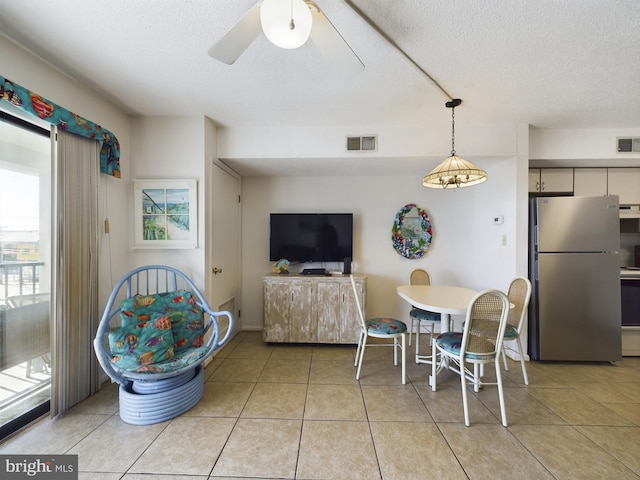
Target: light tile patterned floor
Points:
(290, 411)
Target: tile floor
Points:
(289, 411)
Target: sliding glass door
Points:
(25, 272)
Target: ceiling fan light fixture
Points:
(454, 171)
(286, 23)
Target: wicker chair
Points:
(519, 294)
(480, 343)
(389, 328)
(152, 340)
(419, 316)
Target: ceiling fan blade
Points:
(229, 48)
(333, 47)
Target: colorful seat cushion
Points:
(452, 341)
(178, 361)
(511, 332)
(188, 328)
(385, 326)
(159, 332)
(187, 318)
(424, 315)
(143, 344)
(139, 308)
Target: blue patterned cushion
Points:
(424, 315)
(179, 360)
(511, 333)
(385, 326)
(451, 342)
(146, 343)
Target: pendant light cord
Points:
(453, 131)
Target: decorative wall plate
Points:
(412, 232)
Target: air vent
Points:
(368, 143)
(628, 145)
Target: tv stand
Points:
(314, 271)
(311, 309)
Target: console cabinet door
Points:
(276, 305)
(349, 320)
(318, 310)
(328, 312)
(302, 325)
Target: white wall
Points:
(466, 250)
(596, 147)
(170, 148)
(25, 69)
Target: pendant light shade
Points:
(286, 23)
(454, 170)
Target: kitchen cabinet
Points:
(625, 182)
(589, 182)
(310, 309)
(551, 180)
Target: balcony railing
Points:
(19, 278)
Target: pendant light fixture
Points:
(454, 170)
(286, 23)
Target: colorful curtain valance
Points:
(48, 111)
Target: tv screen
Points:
(311, 237)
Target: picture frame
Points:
(165, 213)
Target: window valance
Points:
(64, 119)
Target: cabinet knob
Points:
(217, 270)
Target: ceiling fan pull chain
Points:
(292, 24)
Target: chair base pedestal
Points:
(163, 403)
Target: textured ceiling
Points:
(548, 63)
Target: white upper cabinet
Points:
(589, 182)
(625, 182)
(551, 180)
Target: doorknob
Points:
(216, 270)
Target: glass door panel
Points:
(25, 259)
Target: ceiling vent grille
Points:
(367, 143)
(628, 145)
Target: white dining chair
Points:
(419, 316)
(478, 344)
(519, 294)
(380, 327)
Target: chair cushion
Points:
(146, 343)
(510, 333)
(139, 308)
(385, 326)
(424, 315)
(187, 318)
(188, 328)
(451, 342)
(180, 360)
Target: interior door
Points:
(224, 269)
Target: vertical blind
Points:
(75, 310)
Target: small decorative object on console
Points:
(281, 266)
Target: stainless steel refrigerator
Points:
(574, 313)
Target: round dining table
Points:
(446, 300)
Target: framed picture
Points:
(166, 213)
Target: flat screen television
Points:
(311, 237)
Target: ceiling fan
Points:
(288, 24)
